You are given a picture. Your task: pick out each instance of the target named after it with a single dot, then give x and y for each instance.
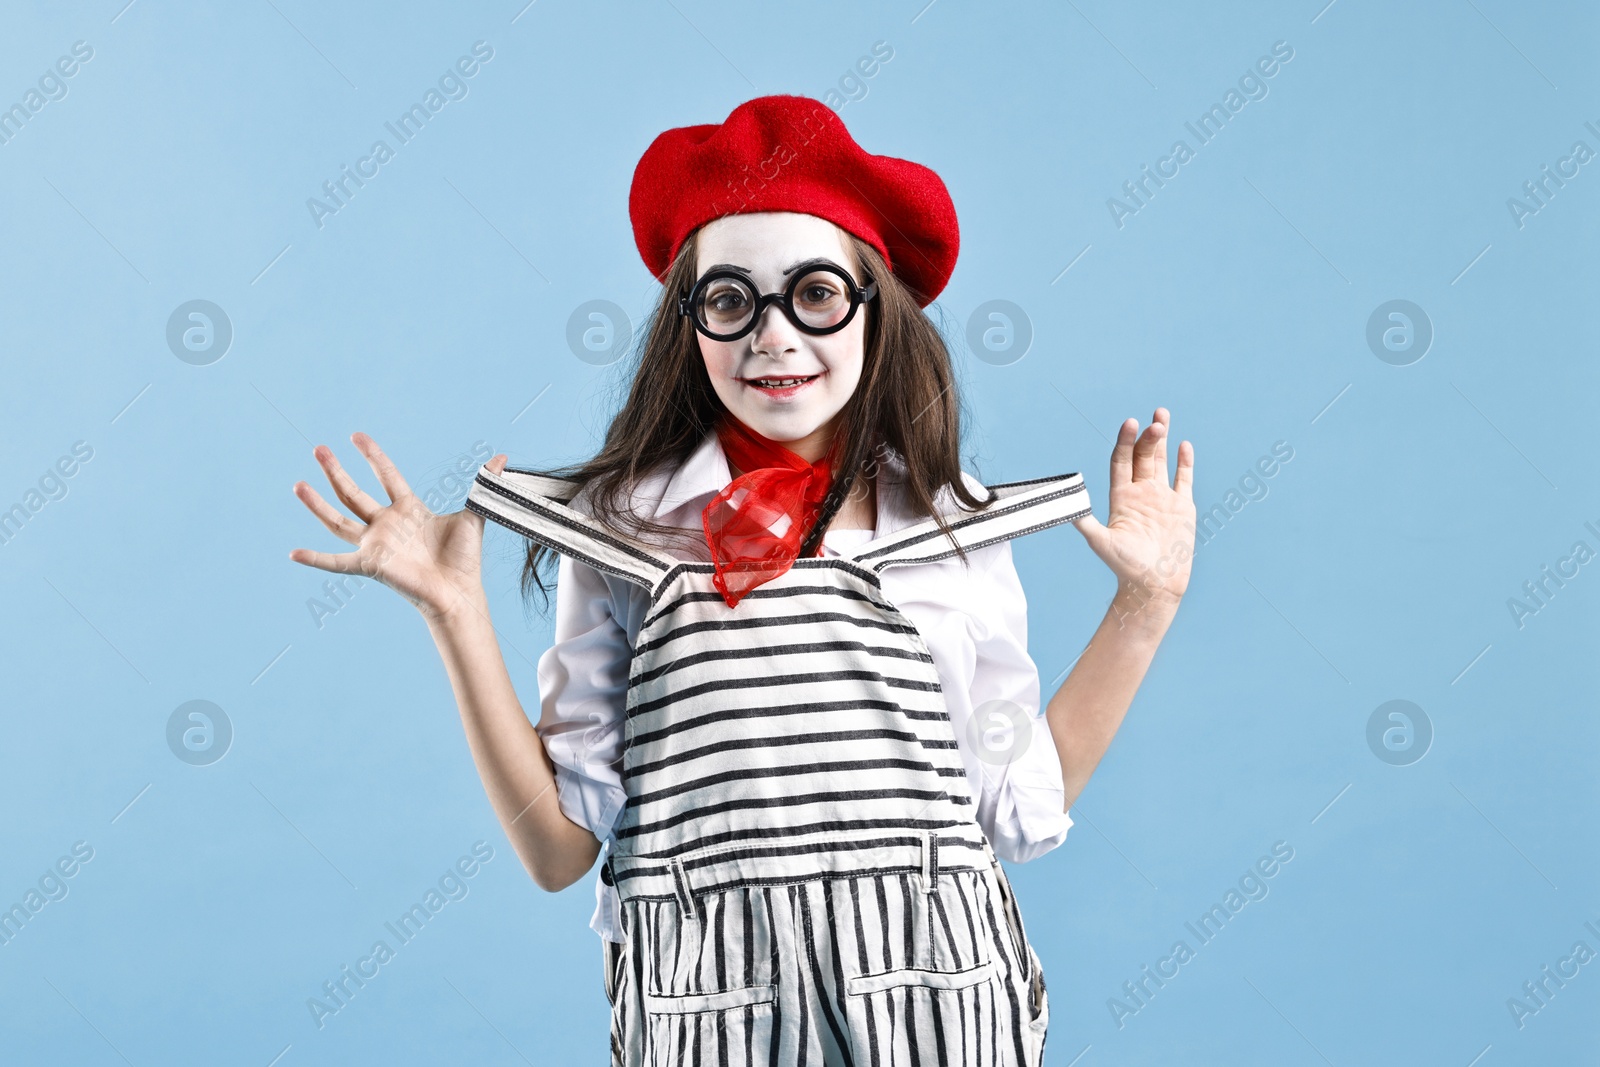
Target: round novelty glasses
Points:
(821, 298)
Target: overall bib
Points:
(801, 875)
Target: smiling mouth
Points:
(780, 383)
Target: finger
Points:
(349, 493)
(1144, 452)
(496, 465)
(1122, 453)
(1164, 417)
(388, 474)
(1183, 481)
(341, 526)
(1094, 533)
(339, 563)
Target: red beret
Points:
(792, 153)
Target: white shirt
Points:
(974, 622)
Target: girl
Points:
(788, 629)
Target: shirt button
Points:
(605, 873)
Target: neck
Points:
(812, 447)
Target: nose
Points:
(774, 332)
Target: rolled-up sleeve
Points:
(1018, 774)
(583, 688)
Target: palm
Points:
(431, 560)
(1149, 536)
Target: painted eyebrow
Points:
(787, 270)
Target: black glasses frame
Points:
(859, 294)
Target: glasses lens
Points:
(724, 305)
(821, 299)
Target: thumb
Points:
(1095, 533)
(496, 464)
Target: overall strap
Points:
(535, 506)
(1019, 508)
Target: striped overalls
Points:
(801, 875)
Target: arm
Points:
(1087, 710)
(1149, 544)
(434, 562)
(517, 773)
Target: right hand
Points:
(431, 560)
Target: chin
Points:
(783, 428)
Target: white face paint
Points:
(803, 417)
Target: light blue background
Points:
(432, 310)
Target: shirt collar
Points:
(703, 474)
(706, 472)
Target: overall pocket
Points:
(710, 992)
(611, 960)
(910, 1014)
(1038, 1003)
(717, 1027)
(929, 986)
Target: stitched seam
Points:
(551, 515)
(775, 883)
(677, 1004)
(974, 969)
(691, 566)
(546, 512)
(985, 544)
(565, 550)
(1032, 481)
(768, 592)
(685, 895)
(984, 516)
(572, 482)
(719, 851)
(977, 974)
(888, 550)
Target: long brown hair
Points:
(906, 398)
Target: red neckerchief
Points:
(754, 526)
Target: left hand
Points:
(1148, 541)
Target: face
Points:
(803, 417)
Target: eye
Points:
(727, 297)
(819, 290)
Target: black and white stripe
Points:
(802, 876)
(866, 970)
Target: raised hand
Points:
(1148, 540)
(431, 560)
